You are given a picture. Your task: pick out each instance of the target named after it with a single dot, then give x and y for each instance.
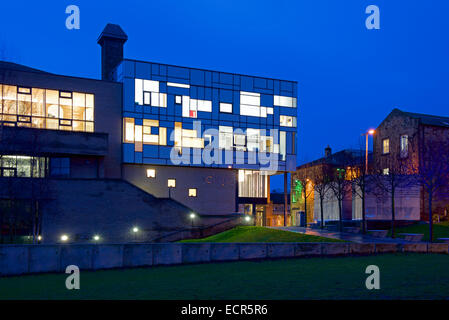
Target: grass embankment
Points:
(440, 230)
(402, 276)
(261, 234)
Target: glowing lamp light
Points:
(96, 237)
(64, 237)
(371, 131)
(247, 219)
(135, 229)
(39, 238)
(192, 216)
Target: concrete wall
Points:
(107, 111)
(23, 259)
(210, 184)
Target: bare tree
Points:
(322, 178)
(303, 179)
(359, 176)
(431, 171)
(396, 175)
(341, 187)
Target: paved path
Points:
(358, 238)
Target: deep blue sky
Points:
(349, 77)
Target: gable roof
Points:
(338, 158)
(426, 119)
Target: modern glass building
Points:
(218, 136)
(145, 148)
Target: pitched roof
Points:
(426, 119)
(6, 65)
(338, 158)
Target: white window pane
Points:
(150, 85)
(138, 84)
(226, 107)
(179, 85)
(246, 110)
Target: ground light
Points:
(247, 218)
(96, 237)
(192, 216)
(64, 237)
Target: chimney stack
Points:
(327, 151)
(111, 41)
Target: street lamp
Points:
(369, 132)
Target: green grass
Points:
(440, 230)
(402, 276)
(261, 234)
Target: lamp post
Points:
(192, 217)
(171, 183)
(370, 132)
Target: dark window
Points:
(60, 167)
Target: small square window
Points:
(171, 183)
(386, 171)
(151, 173)
(192, 192)
(178, 99)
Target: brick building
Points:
(413, 143)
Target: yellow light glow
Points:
(371, 131)
(135, 229)
(171, 183)
(64, 237)
(96, 237)
(151, 173)
(192, 216)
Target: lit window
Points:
(178, 99)
(386, 171)
(226, 107)
(151, 173)
(225, 137)
(283, 101)
(171, 183)
(282, 144)
(404, 145)
(147, 93)
(253, 137)
(192, 192)
(385, 146)
(250, 105)
(179, 85)
(287, 121)
(47, 109)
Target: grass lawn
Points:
(260, 234)
(402, 276)
(440, 230)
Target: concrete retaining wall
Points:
(23, 259)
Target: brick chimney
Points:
(327, 151)
(111, 41)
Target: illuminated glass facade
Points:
(46, 109)
(168, 106)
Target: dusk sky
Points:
(349, 77)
